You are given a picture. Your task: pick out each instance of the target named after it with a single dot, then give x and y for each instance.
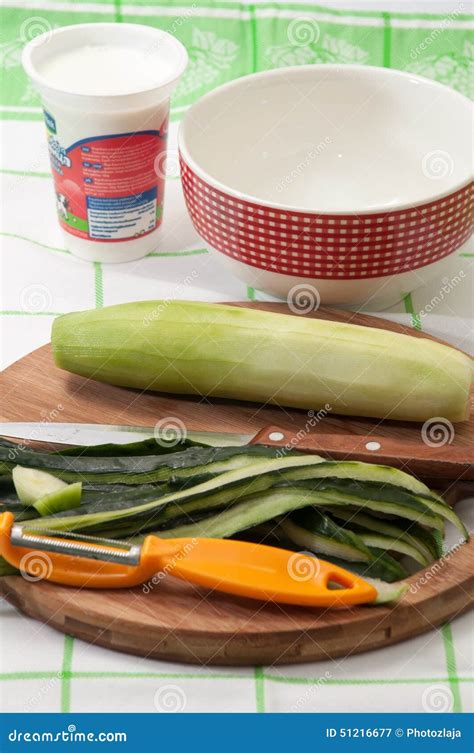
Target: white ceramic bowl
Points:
(354, 180)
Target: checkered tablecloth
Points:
(42, 670)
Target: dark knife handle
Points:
(446, 462)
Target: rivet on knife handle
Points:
(450, 461)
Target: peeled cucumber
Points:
(186, 347)
(31, 484)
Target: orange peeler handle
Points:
(242, 568)
(267, 573)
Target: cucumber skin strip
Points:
(384, 542)
(315, 522)
(415, 512)
(317, 543)
(130, 470)
(352, 470)
(391, 509)
(162, 476)
(280, 465)
(443, 510)
(250, 471)
(238, 517)
(368, 524)
(357, 471)
(301, 498)
(251, 511)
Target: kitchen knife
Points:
(94, 434)
(413, 455)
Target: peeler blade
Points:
(77, 545)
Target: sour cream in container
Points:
(105, 90)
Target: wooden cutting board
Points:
(179, 622)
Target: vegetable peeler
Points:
(241, 568)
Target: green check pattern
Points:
(65, 677)
(41, 670)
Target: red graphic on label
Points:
(107, 187)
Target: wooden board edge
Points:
(438, 599)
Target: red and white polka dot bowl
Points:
(351, 180)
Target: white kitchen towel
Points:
(42, 670)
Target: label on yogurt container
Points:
(108, 187)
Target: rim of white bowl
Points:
(251, 198)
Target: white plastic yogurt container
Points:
(105, 90)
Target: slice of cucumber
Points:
(62, 499)
(32, 484)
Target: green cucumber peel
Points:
(387, 543)
(137, 469)
(407, 531)
(412, 512)
(271, 466)
(63, 499)
(311, 529)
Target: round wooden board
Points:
(179, 622)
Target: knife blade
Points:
(94, 434)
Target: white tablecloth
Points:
(40, 669)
